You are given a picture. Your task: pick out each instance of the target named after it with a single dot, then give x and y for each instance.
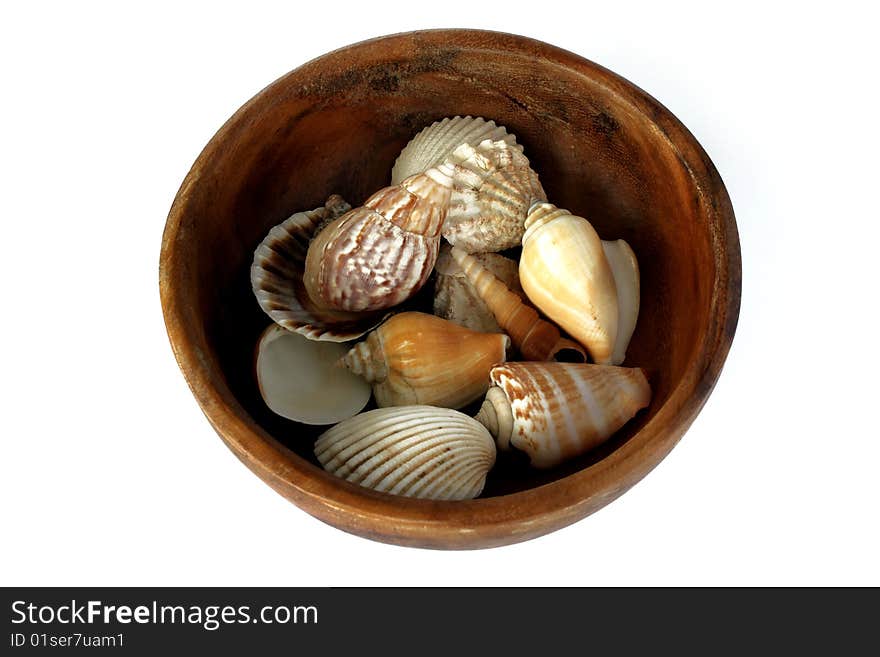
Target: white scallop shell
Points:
(436, 142)
(413, 451)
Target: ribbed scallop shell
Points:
(625, 268)
(378, 255)
(414, 451)
(555, 411)
(436, 142)
(277, 280)
(494, 186)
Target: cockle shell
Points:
(535, 338)
(625, 268)
(414, 451)
(380, 254)
(456, 299)
(436, 142)
(564, 272)
(494, 186)
(277, 280)
(555, 411)
(415, 358)
(298, 378)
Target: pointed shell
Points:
(625, 269)
(494, 186)
(298, 378)
(414, 451)
(277, 280)
(456, 299)
(556, 411)
(378, 255)
(564, 272)
(415, 358)
(436, 142)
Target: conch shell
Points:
(277, 280)
(555, 411)
(380, 254)
(625, 268)
(494, 186)
(564, 272)
(414, 451)
(435, 144)
(456, 299)
(535, 338)
(415, 358)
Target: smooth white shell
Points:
(625, 268)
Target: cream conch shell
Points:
(564, 272)
(456, 299)
(555, 411)
(434, 144)
(380, 254)
(415, 358)
(414, 451)
(535, 338)
(625, 268)
(494, 186)
(277, 280)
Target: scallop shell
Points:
(456, 299)
(564, 272)
(625, 269)
(414, 451)
(298, 378)
(494, 186)
(556, 411)
(415, 358)
(535, 338)
(277, 280)
(436, 142)
(378, 255)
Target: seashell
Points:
(415, 358)
(277, 280)
(625, 269)
(494, 186)
(456, 299)
(535, 338)
(435, 143)
(414, 451)
(555, 411)
(299, 380)
(380, 254)
(564, 272)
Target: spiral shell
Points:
(380, 254)
(564, 272)
(625, 269)
(277, 280)
(415, 358)
(555, 411)
(436, 142)
(535, 338)
(414, 451)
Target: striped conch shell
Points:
(625, 268)
(415, 358)
(564, 272)
(434, 144)
(556, 411)
(277, 280)
(535, 338)
(414, 451)
(378, 255)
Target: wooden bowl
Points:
(604, 149)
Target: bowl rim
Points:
(492, 521)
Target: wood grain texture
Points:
(604, 150)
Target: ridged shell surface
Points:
(413, 451)
(436, 142)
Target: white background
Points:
(109, 473)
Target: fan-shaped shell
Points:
(414, 451)
(436, 142)
(277, 280)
